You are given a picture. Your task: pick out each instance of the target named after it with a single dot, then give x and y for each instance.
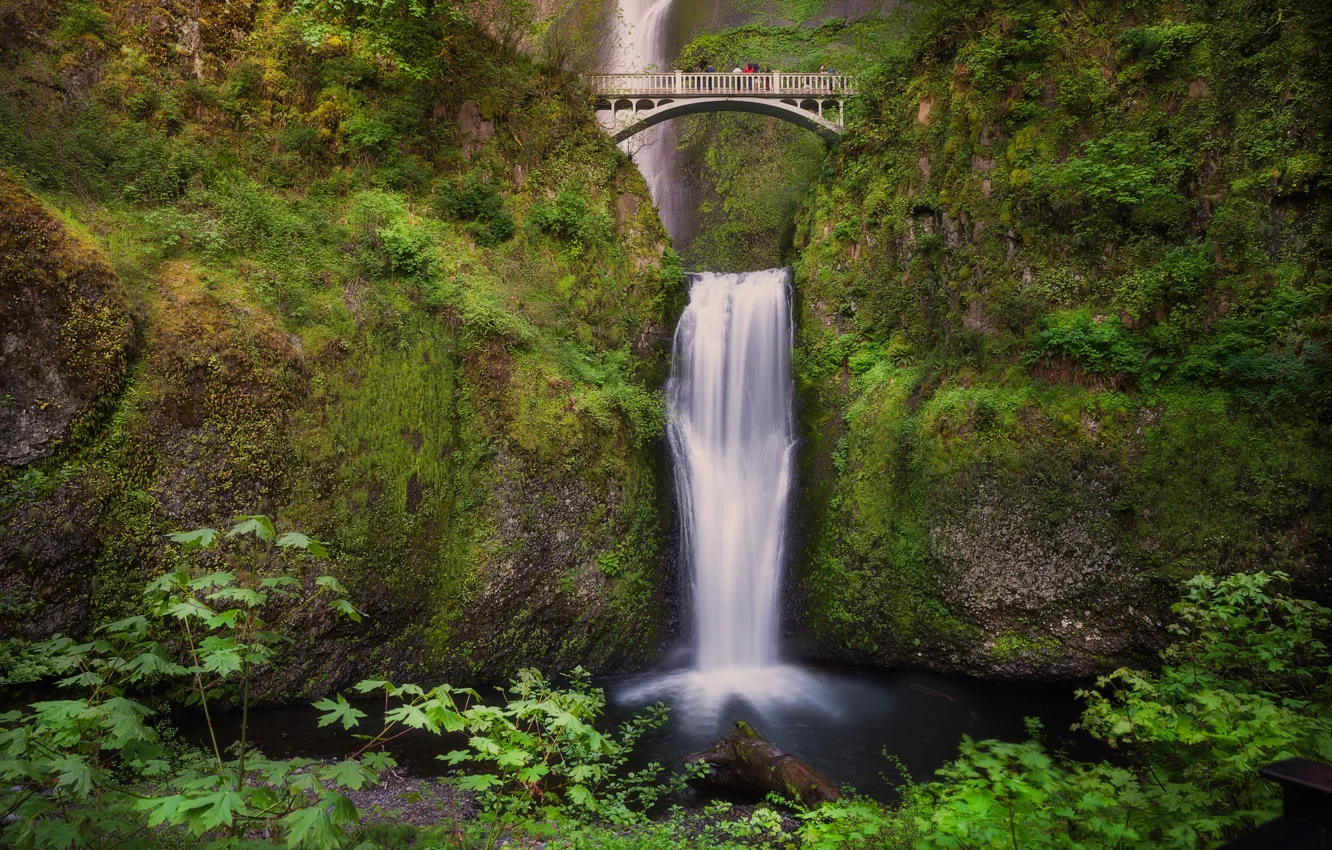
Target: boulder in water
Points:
(745, 761)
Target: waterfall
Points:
(732, 442)
(643, 41)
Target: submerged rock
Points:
(745, 761)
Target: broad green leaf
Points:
(134, 626)
(347, 609)
(161, 809)
(188, 608)
(349, 774)
(412, 716)
(221, 807)
(580, 795)
(224, 620)
(74, 776)
(478, 781)
(202, 538)
(379, 761)
(280, 581)
(311, 828)
(124, 717)
(341, 810)
(484, 745)
(296, 540)
(243, 595)
(220, 655)
(258, 525)
(366, 685)
(337, 711)
(330, 583)
(58, 833)
(153, 663)
(218, 579)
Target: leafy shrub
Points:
(1247, 683)
(1158, 47)
(63, 762)
(571, 218)
(303, 140)
(370, 135)
(1262, 375)
(1120, 174)
(151, 167)
(1096, 345)
(995, 58)
(473, 199)
(83, 18)
(408, 245)
(536, 754)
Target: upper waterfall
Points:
(642, 43)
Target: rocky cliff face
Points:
(67, 334)
(1065, 337)
(421, 321)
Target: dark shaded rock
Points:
(47, 554)
(744, 761)
(65, 329)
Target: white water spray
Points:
(732, 439)
(642, 34)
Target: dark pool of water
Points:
(841, 720)
(844, 720)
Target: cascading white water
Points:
(732, 441)
(641, 33)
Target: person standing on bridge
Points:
(710, 70)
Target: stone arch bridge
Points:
(630, 103)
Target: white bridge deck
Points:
(638, 101)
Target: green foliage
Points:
(407, 32)
(83, 18)
(1158, 47)
(571, 219)
(1118, 175)
(1098, 345)
(66, 762)
(1248, 683)
(535, 757)
(477, 201)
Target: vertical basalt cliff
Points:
(1065, 332)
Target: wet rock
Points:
(744, 761)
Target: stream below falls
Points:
(843, 725)
(733, 440)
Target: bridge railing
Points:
(690, 83)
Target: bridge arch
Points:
(805, 113)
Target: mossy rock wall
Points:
(419, 318)
(1064, 333)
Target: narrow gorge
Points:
(439, 424)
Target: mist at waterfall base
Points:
(732, 438)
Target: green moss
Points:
(1014, 644)
(324, 342)
(1041, 297)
